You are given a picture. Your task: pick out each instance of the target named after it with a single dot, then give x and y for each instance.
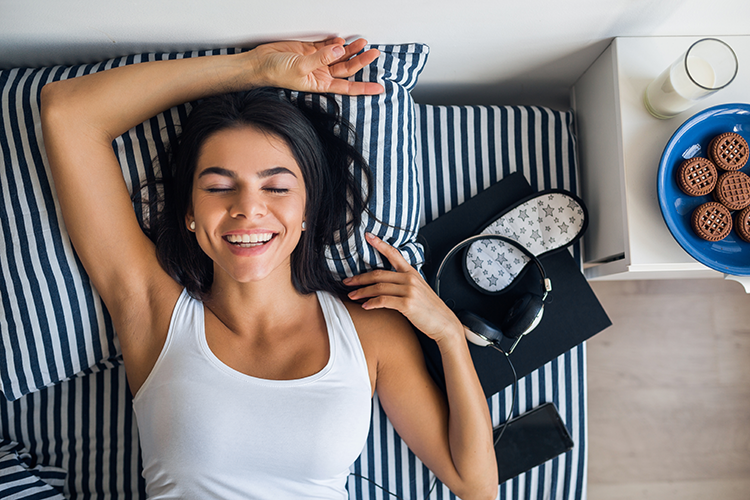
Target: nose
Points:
(247, 205)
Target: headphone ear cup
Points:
(524, 316)
(478, 330)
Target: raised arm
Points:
(82, 116)
(114, 101)
(453, 440)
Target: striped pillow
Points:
(53, 322)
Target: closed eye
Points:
(276, 190)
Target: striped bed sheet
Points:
(83, 429)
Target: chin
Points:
(258, 274)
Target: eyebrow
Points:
(225, 172)
(263, 174)
(270, 172)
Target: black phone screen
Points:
(530, 440)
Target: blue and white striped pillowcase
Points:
(54, 325)
(42, 292)
(385, 125)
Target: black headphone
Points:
(523, 316)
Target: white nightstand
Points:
(620, 145)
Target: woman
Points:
(257, 389)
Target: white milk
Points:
(673, 92)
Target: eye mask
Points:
(548, 221)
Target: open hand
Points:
(405, 291)
(316, 66)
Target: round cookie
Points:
(697, 176)
(712, 221)
(728, 151)
(742, 224)
(733, 190)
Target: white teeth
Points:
(254, 238)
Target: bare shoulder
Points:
(386, 335)
(385, 324)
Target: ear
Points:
(190, 220)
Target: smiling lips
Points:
(249, 240)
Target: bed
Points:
(66, 421)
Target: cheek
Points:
(294, 207)
(206, 207)
(207, 216)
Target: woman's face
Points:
(248, 203)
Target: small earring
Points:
(192, 225)
(304, 225)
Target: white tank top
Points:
(209, 431)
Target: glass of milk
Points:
(707, 66)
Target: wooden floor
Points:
(669, 392)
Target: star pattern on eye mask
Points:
(542, 224)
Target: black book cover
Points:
(572, 313)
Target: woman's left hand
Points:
(323, 66)
(405, 291)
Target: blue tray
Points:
(730, 255)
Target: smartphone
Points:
(530, 440)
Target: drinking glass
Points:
(707, 66)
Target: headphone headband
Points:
(545, 282)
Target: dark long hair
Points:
(337, 181)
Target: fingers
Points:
(325, 56)
(356, 46)
(378, 276)
(342, 62)
(352, 62)
(342, 58)
(386, 302)
(379, 290)
(328, 41)
(392, 295)
(351, 49)
(382, 288)
(393, 255)
(404, 290)
(323, 66)
(345, 87)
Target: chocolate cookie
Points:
(733, 190)
(742, 224)
(712, 221)
(728, 151)
(697, 176)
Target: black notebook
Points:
(572, 313)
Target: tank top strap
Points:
(344, 337)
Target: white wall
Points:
(499, 51)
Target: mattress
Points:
(78, 438)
